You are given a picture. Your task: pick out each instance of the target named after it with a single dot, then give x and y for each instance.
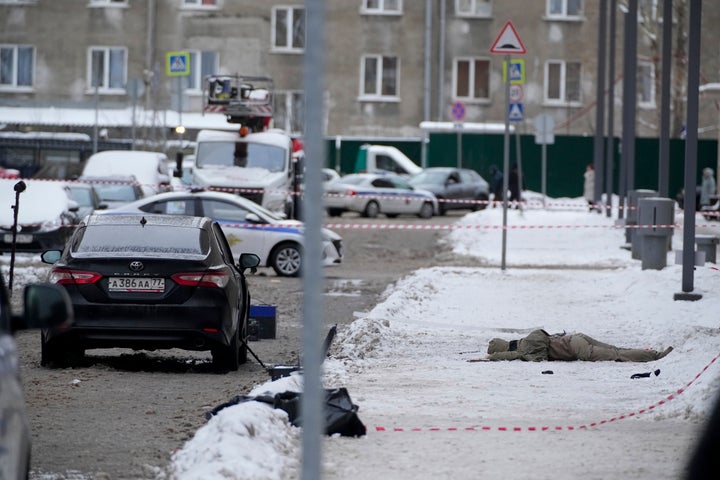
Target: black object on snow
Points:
(644, 375)
(547, 372)
(340, 413)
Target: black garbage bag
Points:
(340, 413)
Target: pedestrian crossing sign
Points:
(516, 112)
(517, 71)
(177, 64)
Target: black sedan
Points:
(151, 282)
(455, 188)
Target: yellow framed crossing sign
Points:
(177, 64)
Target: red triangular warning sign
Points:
(508, 41)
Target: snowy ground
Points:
(431, 414)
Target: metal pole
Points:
(19, 188)
(518, 156)
(610, 145)
(693, 85)
(506, 161)
(664, 159)
(441, 64)
(627, 160)
(312, 400)
(458, 157)
(598, 155)
(428, 51)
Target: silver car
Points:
(371, 194)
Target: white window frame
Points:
(563, 97)
(198, 5)
(646, 85)
(104, 85)
(293, 120)
(563, 13)
(196, 70)
(650, 6)
(472, 97)
(13, 85)
(290, 13)
(377, 94)
(475, 10)
(108, 3)
(18, 2)
(380, 7)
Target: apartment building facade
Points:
(390, 64)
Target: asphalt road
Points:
(121, 414)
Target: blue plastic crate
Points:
(265, 316)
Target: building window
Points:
(107, 68)
(471, 78)
(202, 64)
(647, 10)
(288, 29)
(200, 3)
(105, 3)
(562, 82)
(379, 76)
(381, 7)
(646, 85)
(564, 8)
(17, 64)
(473, 8)
(289, 111)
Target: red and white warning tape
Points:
(545, 428)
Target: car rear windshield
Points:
(119, 240)
(117, 192)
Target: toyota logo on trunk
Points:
(136, 266)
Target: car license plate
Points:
(136, 284)
(20, 238)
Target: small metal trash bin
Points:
(707, 244)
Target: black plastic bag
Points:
(340, 413)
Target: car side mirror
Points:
(252, 218)
(50, 256)
(102, 206)
(46, 305)
(248, 260)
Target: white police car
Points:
(249, 228)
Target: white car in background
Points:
(371, 194)
(46, 215)
(149, 168)
(249, 228)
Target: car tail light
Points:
(351, 192)
(65, 276)
(211, 279)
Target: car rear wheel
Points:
(372, 209)
(426, 211)
(228, 358)
(481, 202)
(441, 206)
(55, 356)
(286, 259)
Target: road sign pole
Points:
(506, 166)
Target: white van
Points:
(149, 168)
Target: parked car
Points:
(249, 227)
(44, 305)
(86, 196)
(115, 190)
(455, 188)
(373, 193)
(46, 216)
(151, 282)
(149, 168)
